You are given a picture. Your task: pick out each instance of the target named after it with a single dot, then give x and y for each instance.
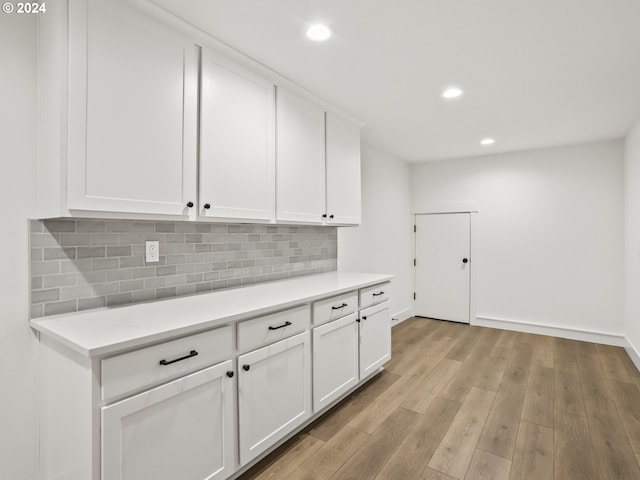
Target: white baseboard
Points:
(633, 353)
(401, 316)
(554, 331)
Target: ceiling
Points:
(535, 73)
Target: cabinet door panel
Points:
(343, 171)
(375, 338)
(335, 360)
(274, 394)
(300, 159)
(183, 429)
(132, 112)
(237, 141)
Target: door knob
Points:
(465, 260)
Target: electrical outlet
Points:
(152, 251)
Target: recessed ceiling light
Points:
(318, 32)
(452, 92)
(487, 141)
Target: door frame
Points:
(472, 208)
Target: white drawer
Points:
(271, 328)
(376, 294)
(146, 367)
(334, 307)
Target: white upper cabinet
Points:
(318, 164)
(343, 171)
(237, 142)
(132, 112)
(300, 160)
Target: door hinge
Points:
(414, 262)
(414, 295)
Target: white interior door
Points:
(443, 263)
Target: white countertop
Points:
(105, 331)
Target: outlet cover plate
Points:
(152, 249)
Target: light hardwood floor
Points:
(471, 403)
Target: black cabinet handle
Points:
(378, 294)
(358, 320)
(364, 318)
(207, 206)
(193, 353)
(189, 204)
(465, 260)
(246, 368)
(230, 374)
(285, 324)
(331, 216)
(324, 215)
(339, 306)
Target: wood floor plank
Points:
(478, 356)
(627, 399)
(413, 455)
(538, 400)
(543, 351)
(565, 361)
(486, 465)
(285, 459)
(567, 395)
(430, 474)
(373, 415)
(331, 456)
(612, 364)
(464, 345)
(420, 397)
(455, 452)
(592, 377)
(533, 456)
(367, 462)
(340, 415)
(491, 375)
(613, 454)
(506, 339)
(501, 429)
(573, 455)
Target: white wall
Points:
(18, 354)
(383, 241)
(632, 240)
(550, 233)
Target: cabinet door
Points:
(132, 112)
(335, 360)
(183, 429)
(300, 162)
(375, 338)
(274, 393)
(237, 142)
(343, 171)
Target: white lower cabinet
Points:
(183, 429)
(375, 338)
(335, 360)
(274, 393)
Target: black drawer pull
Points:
(339, 306)
(246, 368)
(193, 353)
(285, 324)
(378, 294)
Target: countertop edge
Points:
(44, 324)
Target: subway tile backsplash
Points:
(86, 264)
